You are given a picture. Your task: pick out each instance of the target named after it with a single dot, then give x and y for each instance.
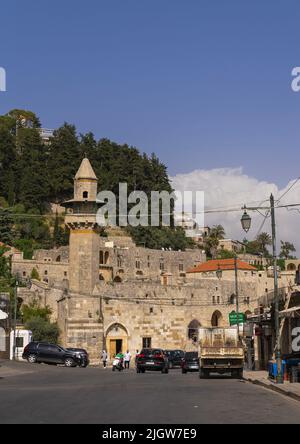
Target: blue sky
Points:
(203, 83)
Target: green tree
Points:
(34, 310)
(263, 241)
(35, 274)
(212, 241)
(43, 330)
(286, 249)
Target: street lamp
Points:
(246, 221)
(219, 272)
(246, 224)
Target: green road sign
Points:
(233, 319)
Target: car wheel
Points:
(31, 359)
(138, 370)
(203, 374)
(143, 371)
(69, 362)
(184, 371)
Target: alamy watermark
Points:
(296, 340)
(2, 79)
(296, 79)
(161, 208)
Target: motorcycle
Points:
(117, 364)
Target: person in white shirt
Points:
(127, 358)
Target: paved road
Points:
(47, 394)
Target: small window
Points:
(65, 273)
(45, 272)
(180, 267)
(146, 342)
(24, 273)
(19, 342)
(151, 309)
(85, 195)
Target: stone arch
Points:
(116, 339)
(291, 267)
(216, 319)
(193, 330)
(58, 259)
(101, 278)
(118, 279)
(2, 340)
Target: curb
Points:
(274, 388)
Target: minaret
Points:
(84, 237)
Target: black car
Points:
(174, 358)
(152, 359)
(82, 354)
(190, 362)
(51, 354)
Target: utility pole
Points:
(246, 224)
(276, 295)
(15, 318)
(237, 294)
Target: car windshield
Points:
(191, 355)
(151, 351)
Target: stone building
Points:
(109, 293)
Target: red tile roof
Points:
(222, 264)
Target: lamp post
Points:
(15, 315)
(246, 224)
(237, 294)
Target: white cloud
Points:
(231, 188)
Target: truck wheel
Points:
(203, 374)
(240, 374)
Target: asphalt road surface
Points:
(48, 394)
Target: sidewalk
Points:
(261, 378)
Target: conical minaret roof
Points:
(85, 170)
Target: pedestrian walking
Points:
(127, 358)
(104, 358)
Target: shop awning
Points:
(289, 312)
(3, 315)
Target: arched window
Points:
(117, 279)
(101, 257)
(85, 195)
(291, 267)
(216, 319)
(232, 299)
(106, 256)
(58, 258)
(193, 330)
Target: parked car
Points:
(51, 354)
(190, 362)
(152, 359)
(82, 354)
(174, 358)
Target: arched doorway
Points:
(291, 267)
(116, 339)
(216, 319)
(193, 330)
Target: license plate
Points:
(149, 363)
